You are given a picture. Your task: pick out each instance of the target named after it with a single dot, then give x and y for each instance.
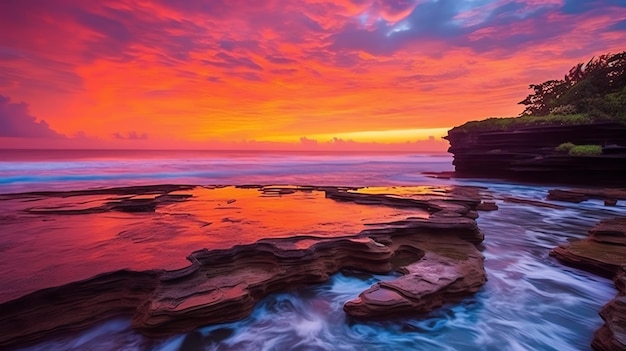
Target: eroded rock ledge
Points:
(610, 196)
(528, 153)
(436, 255)
(604, 252)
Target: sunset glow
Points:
(280, 74)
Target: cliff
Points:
(510, 148)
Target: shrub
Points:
(563, 110)
(565, 147)
(586, 150)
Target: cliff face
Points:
(528, 153)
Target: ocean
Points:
(30, 170)
(530, 302)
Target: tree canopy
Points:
(597, 87)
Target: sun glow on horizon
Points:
(369, 136)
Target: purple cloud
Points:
(307, 141)
(132, 135)
(581, 6)
(280, 60)
(228, 61)
(16, 121)
(433, 78)
(251, 76)
(285, 72)
(232, 45)
(454, 22)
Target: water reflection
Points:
(531, 302)
(42, 250)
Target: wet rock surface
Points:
(447, 271)
(611, 231)
(125, 199)
(487, 206)
(427, 234)
(604, 252)
(612, 335)
(610, 196)
(73, 307)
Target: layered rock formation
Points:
(528, 153)
(446, 271)
(74, 307)
(604, 252)
(436, 255)
(612, 335)
(610, 195)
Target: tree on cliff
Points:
(597, 87)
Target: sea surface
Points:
(32, 170)
(530, 302)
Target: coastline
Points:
(530, 153)
(173, 195)
(444, 247)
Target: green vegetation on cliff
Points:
(585, 150)
(509, 123)
(579, 150)
(565, 147)
(589, 93)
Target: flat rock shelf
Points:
(259, 239)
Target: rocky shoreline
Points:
(529, 153)
(604, 253)
(428, 235)
(436, 255)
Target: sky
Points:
(271, 74)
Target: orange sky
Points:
(276, 74)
